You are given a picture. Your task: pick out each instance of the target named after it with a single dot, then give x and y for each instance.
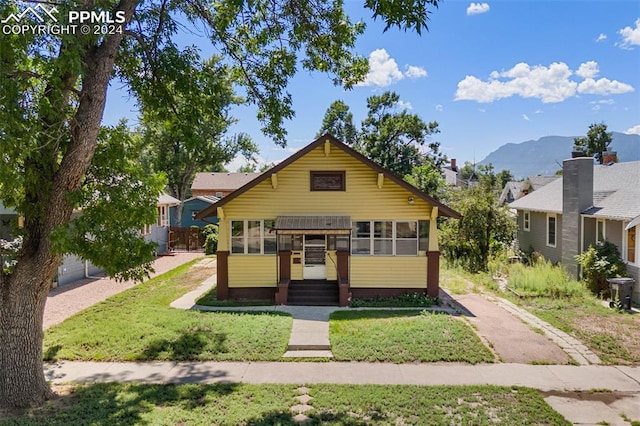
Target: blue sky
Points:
(489, 73)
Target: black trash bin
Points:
(621, 292)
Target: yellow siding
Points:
(252, 271)
(361, 200)
(331, 261)
(389, 272)
(223, 235)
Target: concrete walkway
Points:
(565, 388)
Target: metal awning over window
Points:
(313, 225)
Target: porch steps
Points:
(313, 293)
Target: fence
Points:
(189, 239)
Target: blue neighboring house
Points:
(190, 208)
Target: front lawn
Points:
(139, 325)
(404, 336)
(244, 404)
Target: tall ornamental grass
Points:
(543, 279)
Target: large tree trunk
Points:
(22, 300)
(23, 293)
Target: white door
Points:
(314, 267)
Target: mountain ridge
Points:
(544, 156)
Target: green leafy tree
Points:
(429, 180)
(484, 230)
(390, 136)
(52, 160)
(338, 121)
(596, 142)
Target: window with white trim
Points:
(526, 220)
(389, 238)
(552, 229)
(600, 231)
(253, 237)
(163, 216)
(145, 230)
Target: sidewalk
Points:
(65, 301)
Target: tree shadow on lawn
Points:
(382, 313)
(188, 346)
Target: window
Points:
(269, 237)
(423, 232)
(194, 213)
(407, 238)
(163, 217)
(600, 231)
(387, 238)
(253, 237)
(551, 230)
(338, 242)
(526, 221)
(328, 181)
(145, 230)
(219, 194)
(361, 239)
(631, 245)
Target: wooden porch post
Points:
(222, 286)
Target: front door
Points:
(315, 247)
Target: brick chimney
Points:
(453, 165)
(609, 157)
(577, 196)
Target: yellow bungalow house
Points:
(325, 225)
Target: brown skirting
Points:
(372, 293)
(253, 293)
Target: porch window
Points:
(631, 245)
(145, 230)
(423, 232)
(253, 236)
(551, 230)
(389, 238)
(361, 241)
(383, 238)
(600, 231)
(526, 221)
(407, 238)
(163, 217)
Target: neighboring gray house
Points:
(515, 190)
(588, 204)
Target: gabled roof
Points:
(616, 193)
(168, 199)
(513, 187)
(538, 182)
(206, 198)
(221, 181)
(443, 210)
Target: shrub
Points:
(210, 233)
(599, 263)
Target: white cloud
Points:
(383, 70)
(603, 86)
(588, 69)
(603, 102)
(549, 84)
(635, 130)
(404, 105)
(630, 36)
(538, 111)
(439, 107)
(525, 117)
(601, 37)
(595, 108)
(477, 8)
(415, 72)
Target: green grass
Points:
(139, 325)
(543, 279)
(407, 300)
(210, 299)
(404, 336)
(244, 404)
